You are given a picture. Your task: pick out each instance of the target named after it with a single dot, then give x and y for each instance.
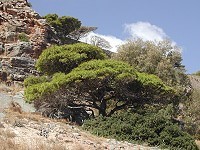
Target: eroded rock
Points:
(24, 34)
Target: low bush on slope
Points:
(156, 129)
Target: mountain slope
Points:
(21, 131)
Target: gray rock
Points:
(17, 49)
(6, 99)
(18, 77)
(22, 62)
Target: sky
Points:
(119, 20)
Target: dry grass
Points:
(10, 144)
(8, 137)
(198, 143)
(91, 137)
(78, 147)
(13, 89)
(15, 107)
(7, 133)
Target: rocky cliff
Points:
(24, 34)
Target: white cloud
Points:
(114, 41)
(145, 31)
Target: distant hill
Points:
(195, 80)
(193, 106)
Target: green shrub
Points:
(154, 128)
(23, 37)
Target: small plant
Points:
(23, 37)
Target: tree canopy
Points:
(162, 59)
(63, 25)
(100, 42)
(159, 58)
(105, 85)
(66, 57)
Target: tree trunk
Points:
(102, 110)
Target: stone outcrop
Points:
(19, 23)
(24, 34)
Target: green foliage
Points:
(65, 58)
(31, 80)
(23, 37)
(156, 129)
(63, 25)
(105, 85)
(161, 59)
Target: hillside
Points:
(73, 79)
(194, 104)
(195, 81)
(21, 130)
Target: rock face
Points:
(24, 34)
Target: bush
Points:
(23, 37)
(154, 128)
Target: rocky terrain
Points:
(22, 128)
(13, 94)
(24, 34)
(21, 131)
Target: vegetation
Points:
(162, 59)
(143, 77)
(63, 25)
(23, 37)
(81, 32)
(100, 42)
(192, 119)
(65, 58)
(156, 129)
(35, 80)
(100, 83)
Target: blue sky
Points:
(119, 20)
